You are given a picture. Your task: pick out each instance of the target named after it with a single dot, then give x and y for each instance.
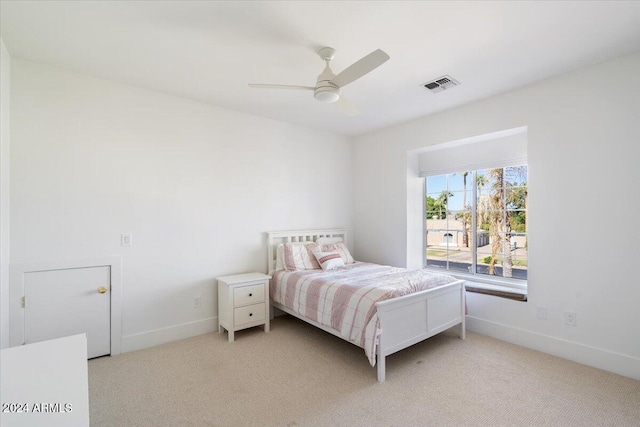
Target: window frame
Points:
(490, 283)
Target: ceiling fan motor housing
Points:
(326, 91)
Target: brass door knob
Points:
(102, 289)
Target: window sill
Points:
(496, 291)
(503, 288)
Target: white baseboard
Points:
(621, 364)
(169, 334)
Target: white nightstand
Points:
(243, 302)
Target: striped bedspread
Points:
(344, 299)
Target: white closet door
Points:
(59, 303)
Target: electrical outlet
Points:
(570, 318)
(541, 313)
(197, 302)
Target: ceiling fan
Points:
(328, 85)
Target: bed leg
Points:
(381, 368)
(463, 331)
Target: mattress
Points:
(344, 300)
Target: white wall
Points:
(197, 186)
(5, 72)
(584, 245)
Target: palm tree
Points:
(440, 203)
(481, 181)
(504, 194)
(499, 224)
(465, 215)
(481, 204)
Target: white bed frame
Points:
(405, 320)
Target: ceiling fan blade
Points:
(360, 68)
(346, 107)
(261, 86)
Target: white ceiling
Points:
(209, 51)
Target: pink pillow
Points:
(299, 256)
(329, 260)
(341, 248)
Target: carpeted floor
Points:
(298, 375)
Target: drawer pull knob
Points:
(250, 314)
(250, 295)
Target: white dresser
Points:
(243, 302)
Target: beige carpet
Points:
(297, 375)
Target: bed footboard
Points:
(413, 318)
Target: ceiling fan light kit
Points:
(326, 94)
(328, 85)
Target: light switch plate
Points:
(126, 239)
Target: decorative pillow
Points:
(341, 248)
(329, 260)
(299, 256)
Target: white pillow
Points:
(299, 256)
(329, 240)
(329, 260)
(280, 257)
(342, 249)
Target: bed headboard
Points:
(277, 237)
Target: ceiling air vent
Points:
(440, 84)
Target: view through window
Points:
(476, 222)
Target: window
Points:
(476, 222)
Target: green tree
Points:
(431, 206)
(440, 203)
(466, 215)
(517, 205)
(481, 181)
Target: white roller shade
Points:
(474, 154)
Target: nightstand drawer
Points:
(246, 295)
(249, 314)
